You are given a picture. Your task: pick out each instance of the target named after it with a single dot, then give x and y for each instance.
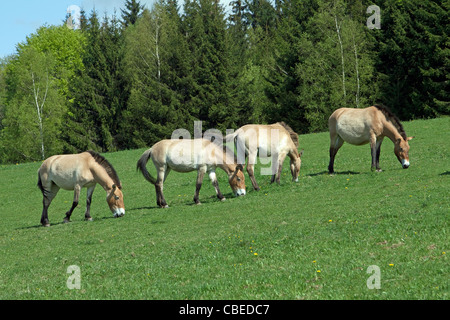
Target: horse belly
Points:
(353, 132)
(68, 178)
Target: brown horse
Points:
(369, 125)
(186, 155)
(75, 171)
(276, 140)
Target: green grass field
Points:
(314, 239)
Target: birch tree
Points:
(33, 115)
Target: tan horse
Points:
(186, 155)
(276, 140)
(76, 171)
(369, 125)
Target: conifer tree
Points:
(132, 13)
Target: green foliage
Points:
(414, 57)
(99, 91)
(132, 13)
(35, 87)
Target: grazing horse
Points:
(369, 125)
(276, 140)
(75, 171)
(186, 155)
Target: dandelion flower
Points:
(391, 264)
(255, 254)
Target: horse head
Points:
(401, 150)
(237, 181)
(115, 201)
(296, 163)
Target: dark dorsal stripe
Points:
(101, 160)
(390, 116)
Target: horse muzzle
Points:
(239, 192)
(405, 164)
(119, 212)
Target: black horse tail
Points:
(141, 166)
(41, 186)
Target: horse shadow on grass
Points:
(54, 224)
(446, 173)
(325, 172)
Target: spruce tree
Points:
(132, 12)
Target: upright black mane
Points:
(293, 134)
(390, 116)
(101, 160)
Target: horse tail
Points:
(232, 136)
(41, 186)
(141, 166)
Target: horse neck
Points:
(293, 154)
(390, 131)
(102, 177)
(229, 168)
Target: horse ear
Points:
(114, 187)
(239, 167)
(409, 138)
(300, 153)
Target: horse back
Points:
(257, 136)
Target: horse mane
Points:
(101, 160)
(390, 116)
(293, 134)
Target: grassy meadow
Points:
(314, 239)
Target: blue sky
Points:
(20, 18)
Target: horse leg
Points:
(335, 144)
(200, 174)
(215, 183)
(250, 169)
(76, 196)
(280, 161)
(159, 185)
(47, 200)
(87, 214)
(374, 151)
(377, 164)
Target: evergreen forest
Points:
(128, 80)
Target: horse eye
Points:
(401, 149)
(238, 179)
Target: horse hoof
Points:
(379, 170)
(88, 219)
(165, 207)
(198, 203)
(223, 199)
(66, 220)
(46, 225)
